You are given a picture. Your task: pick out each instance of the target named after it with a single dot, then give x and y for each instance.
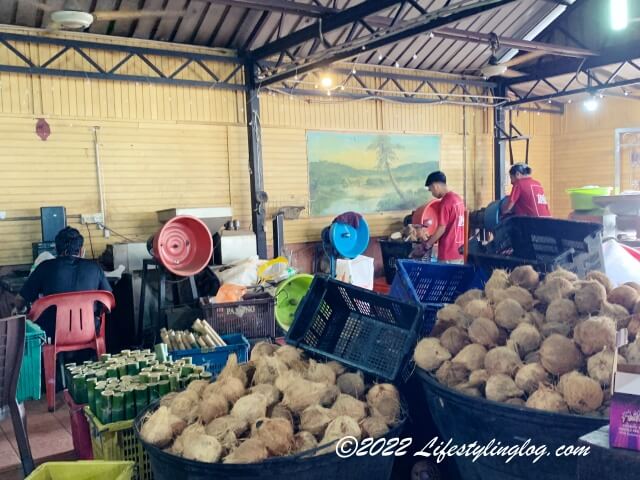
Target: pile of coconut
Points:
(279, 403)
(547, 345)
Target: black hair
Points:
(69, 241)
(435, 177)
(521, 168)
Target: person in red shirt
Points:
(450, 232)
(527, 195)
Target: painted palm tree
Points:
(386, 155)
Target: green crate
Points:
(118, 441)
(83, 470)
(29, 386)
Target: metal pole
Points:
(499, 158)
(255, 158)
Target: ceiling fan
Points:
(72, 17)
(494, 68)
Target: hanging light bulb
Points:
(591, 104)
(379, 57)
(326, 80)
(619, 10)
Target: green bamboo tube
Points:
(146, 351)
(132, 367)
(87, 362)
(117, 407)
(144, 377)
(174, 382)
(164, 387)
(70, 365)
(135, 353)
(159, 368)
(129, 404)
(91, 390)
(122, 369)
(164, 375)
(142, 397)
(154, 393)
(97, 394)
(187, 360)
(101, 374)
(142, 363)
(105, 356)
(105, 411)
(112, 372)
(186, 370)
(198, 369)
(125, 352)
(79, 393)
(206, 376)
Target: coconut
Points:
(502, 360)
(212, 406)
(478, 378)
(484, 332)
(198, 386)
(429, 354)
(329, 396)
(634, 326)
(530, 376)
(451, 374)
(302, 393)
(232, 369)
(503, 336)
(315, 419)
(554, 289)
(526, 338)
(467, 389)
(500, 387)
(303, 441)
(263, 349)
(347, 405)
(472, 357)
(545, 398)
(516, 401)
(624, 295)
(271, 393)
(466, 297)
(166, 400)
(453, 315)
(562, 273)
(477, 309)
(600, 278)
(552, 328)
(532, 357)
(219, 427)
(374, 427)
(351, 384)
(202, 448)
(519, 294)
(632, 353)
(268, 369)
(559, 355)
(229, 441)
(161, 427)
(337, 367)
(440, 327)
(563, 380)
(251, 450)
(618, 313)
(184, 405)
(600, 366)
(384, 399)
(286, 379)
(498, 281)
(594, 334)
(634, 285)
(275, 433)
(280, 411)
(562, 310)
(525, 277)
(178, 445)
(320, 372)
(589, 296)
(291, 356)
(535, 317)
(230, 388)
(340, 427)
(454, 339)
(250, 408)
(582, 394)
(509, 314)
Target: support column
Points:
(252, 107)
(499, 157)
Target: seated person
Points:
(68, 272)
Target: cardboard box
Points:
(624, 414)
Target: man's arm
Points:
(436, 236)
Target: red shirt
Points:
(452, 217)
(528, 198)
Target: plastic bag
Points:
(243, 273)
(230, 293)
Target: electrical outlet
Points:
(3, 215)
(91, 218)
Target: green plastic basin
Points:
(582, 198)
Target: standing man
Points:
(450, 232)
(527, 195)
(68, 272)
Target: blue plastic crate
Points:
(357, 327)
(214, 359)
(433, 285)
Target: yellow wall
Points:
(583, 146)
(166, 146)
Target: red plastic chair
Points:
(75, 329)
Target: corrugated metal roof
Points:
(224, 23)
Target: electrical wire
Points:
(93, 255)
(103, 226)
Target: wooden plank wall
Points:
(166, 146)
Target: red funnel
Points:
(183, 246)
(427, 215)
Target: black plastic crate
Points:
(391, 253)
(252, 318)
(359, 328)
(545, 244)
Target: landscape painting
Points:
(369, 173)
